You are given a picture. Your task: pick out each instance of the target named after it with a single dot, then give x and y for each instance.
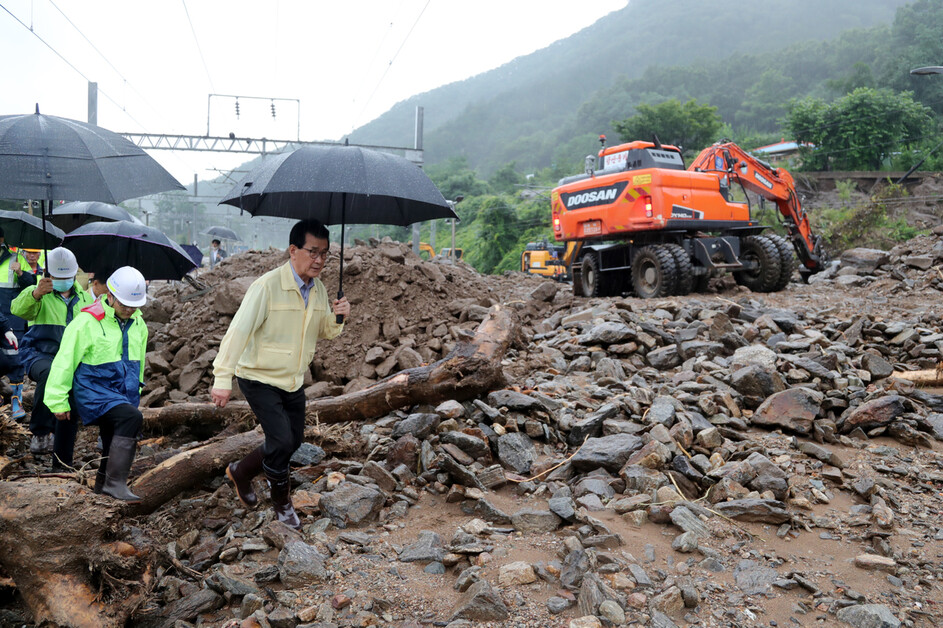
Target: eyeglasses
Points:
(316, 253)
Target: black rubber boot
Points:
(120, 457)
(241, 474)
(280, 486)
(100, 477)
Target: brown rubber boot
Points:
(280, 486)
(241, 474)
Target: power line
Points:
(199, 49)
(71, 65)
(396, 54)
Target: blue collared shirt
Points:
(305, 288)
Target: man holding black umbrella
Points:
(268, 346)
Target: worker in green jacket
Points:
(101, 361)
(47, 308)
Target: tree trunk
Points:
(52, 543)
(198, 415)
(925, 377)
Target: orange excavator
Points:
(638, 220)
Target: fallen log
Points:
(189, 469)
(471, 369)
(55, 540)
(923, 377)
(195, 415)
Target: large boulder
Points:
(793, 410)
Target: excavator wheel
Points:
(685, 269)
(765, 271)
(577, 282)
(787, 260)
(654, 272)
(591, 282)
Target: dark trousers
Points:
(42, 421)
(282, 417)
(122, 420)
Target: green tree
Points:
(506, 180)
(859, 130)
(496, 228)
(454, 177)
(690, 126)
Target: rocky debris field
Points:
(721, 459)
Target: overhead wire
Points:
(373, 58)
(390, 64)
(198, 47)
(72, 65)
(120, 75)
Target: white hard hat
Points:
(61, 263)
(127, 284)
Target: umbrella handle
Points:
(339, 317)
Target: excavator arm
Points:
(774, 184)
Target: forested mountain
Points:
(534, 109)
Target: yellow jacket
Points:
(273, 336)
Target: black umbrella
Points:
(111, 245)
(340, 185)
(71, 216)
(50, 158)
(46, 157)
(223, 232)
(194, 252)
(26, 231)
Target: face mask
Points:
(62, 285)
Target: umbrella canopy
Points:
(111, 245)
(46, 157)
(26, 231)
(194, 252)
(340, 185)
(223, 232)
(71, 216)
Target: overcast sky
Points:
(157, 61)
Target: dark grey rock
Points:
(480, 603)
(868, 616)
(563, 507)
(307, 455)
(761, 510)
(516, 451)
(591, 424)
(350, 504)
(489, 512)
(689, 522)
(300, 564)
(607, 333)
(419, 425)
(513, 400)
(575, 566)
(664, 358)
(188, 607)
(793, 410)
(638, 574)
(642, 479)
(660, 620)
(753, 578)
(876, 365)
(593, 486)
(535, 520)
(662, 411)
(608, 452)
(471, 445)
(557, 605)
(428, 547)
(756, 383)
